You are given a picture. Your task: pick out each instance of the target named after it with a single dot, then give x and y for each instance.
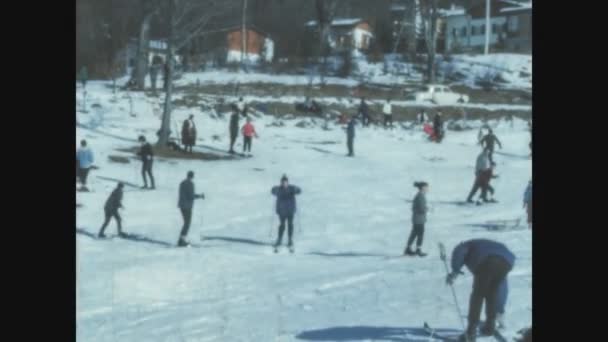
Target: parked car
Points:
(439, 94)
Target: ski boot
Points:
(290, 246)
(122, 234)
(487, 330)
(469, 200)
(420, 253)
(466, 337)
(144, 187)
(101, 235)
(500, 321)
(409, 251)
(182, 242)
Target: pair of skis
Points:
(276, 249)
(454, 337)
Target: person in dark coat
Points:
(285, 208)
(488, 141)
(234, 126)
(189, 134)
(113, 203)
(185, 204)
(482, 166)
(419, 210)
(438, 127)
(364, 112)
(484, 180)
(350, 137)
(147, 157)
(490, 262)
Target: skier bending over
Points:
(286, 208)
(419, 210)
(113, 203)
(490, 262)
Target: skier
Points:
(189, 134)
(242, 106)
(350, 136)
(234, 127)
(481, 169)
(422, 117)
(419, 210)
(285, 208)
(147, 157)
(438, 127)
(488, 141)
(490, 262)
(364, 112)
(248, 134)
(485, 179)
(84, 155)
(185, 204)
(113, 203)
(387, 109)
(528, 203)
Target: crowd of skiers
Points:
(488, 261)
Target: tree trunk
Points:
(430, 16)
(141, 67)
(410, 32)
(163, 137)
(244, 34)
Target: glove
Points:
(451, 277)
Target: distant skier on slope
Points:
(185, 204)
(113, 203)
(234, 127)
(422, 117)
(387, 109)
(350, 136)
(490, 262)
(488, 141)
(248, 134)
(285, 208)
(438, 127)
(528, 203)
(147, 157)
(364, 112)
(84, 155)
(189, 134)
(482, 167)
(419, 210)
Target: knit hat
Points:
(420, 185)
(284, 178)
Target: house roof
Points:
(518, 6)
(338, 22)
(452, 12)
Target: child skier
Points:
(419, 210)
(248, 133)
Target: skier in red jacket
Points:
(248, 133)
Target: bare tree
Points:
(429, 13)
(150, 9)
(244, 33)
(326, 11)
(187, 19)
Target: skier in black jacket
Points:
(419, 210)
(147, 157)
(185, 204)
(234, 126)
(286, 208)
(113, 203)
(438, 127)
(350, 137)
(488, 143)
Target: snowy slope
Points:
(342, 284)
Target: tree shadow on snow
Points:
(365, 333)
(236, 240)
(129, 237)
(119, 180)
(95, 130)
(346, 254)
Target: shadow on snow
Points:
(129, 237)
(236, 240)
(365, 333)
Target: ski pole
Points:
(443, 257)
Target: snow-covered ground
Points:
(514, 69)
(342, 284)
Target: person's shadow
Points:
(365, 333)
(130, 237)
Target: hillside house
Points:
(258, 45)
(346, 33)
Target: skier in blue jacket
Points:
(285, 208)
(84, 155)
(490, 262)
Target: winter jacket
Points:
(483, 163)
(419, 209)
(188, 133)
(387, 109)
(248, 130)
(186, 194)
(488, 141)
(472, 252)
(528, 194)
(146, 153)
(437, 123)
(286, 199)
(114, 201)
(364, 109)
(85, 157)
(234, 123)
(350, 129)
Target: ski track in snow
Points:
(342, 283)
